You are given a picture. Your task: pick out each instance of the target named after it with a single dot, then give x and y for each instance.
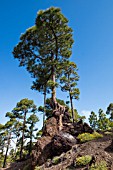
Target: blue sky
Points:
(92, 23)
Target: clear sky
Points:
(92, 23)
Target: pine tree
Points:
(103, 121)
(2, 143)
(93, 120)
(8, 130)
(110, 111)
(21, 110)
(50, 42)
(32, 120)
(17, 134)
(68, 83)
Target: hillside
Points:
(61, 147)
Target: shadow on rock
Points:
(110, 147)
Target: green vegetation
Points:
(110, 111)
(69, 82)
(37, 168)
(56, 160)
(100, 166)
(108, 133)
(93, 120)
(83, 160)
(22, 109)
(19, 128)
(84, 137)
(101, 122)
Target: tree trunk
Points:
(54, 67)
(16, 147)
(5, 158)
(44, 113)
(22, 143)
(21, 149)
(54, 81)
(53, 88)
(30, 146)
(72, 110)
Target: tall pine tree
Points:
(50, 42)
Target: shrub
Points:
(108, 133)
(37, 168)
(84, 137)
(97, 135)
(56, 160)
(100, 166)
(111, 124)
(84, 160)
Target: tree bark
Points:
(21, 149)
(72, 110)
(54, 81)
(16, 147)
(44, 113)
(30, 146)
(5, 158)
(53, 88)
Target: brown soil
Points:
(101, 149)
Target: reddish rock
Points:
(51, 127)
(62, 143)
(41, 150)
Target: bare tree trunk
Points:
(72, 110)
(44, 113)
(30, 146)
(54, 67)
(16, 148)
(54, 81)
(5, 158)
(53, 89)
(21, 149)
(22, 143)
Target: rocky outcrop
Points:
(51, 127)
(42, 149)
(55, 141)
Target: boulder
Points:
(81, 127)
(62, 142)
(41, 151)
(87, 128)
